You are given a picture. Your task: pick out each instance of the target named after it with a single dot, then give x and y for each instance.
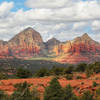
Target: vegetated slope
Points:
(10, 65)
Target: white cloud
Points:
(52, 18)
(5, 8)
(78, 9)
(80, 25)
(46, 3)
(96, 25)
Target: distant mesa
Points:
(28, 43)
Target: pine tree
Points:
(3, 96)
(87, 96)
(54, 91)
(22, 92)
(35, 94)
(98, 94)
(69, 95)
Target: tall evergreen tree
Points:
(35, 94)
(22, 92)
(87, 96)
(68, 94)
(54, 91)
(3, 96)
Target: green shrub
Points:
(3, 95)
(94, 84)
(89, 72)
(78, 77)
(57, 71)
(23, 73)
(68, 93)
(42, 72)
(3, 76)
(23, 92)
(98, 91)
(69, 70)
(87, 96)
(35, 94)
(69, 76)
(81, 67)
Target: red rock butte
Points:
(28, 43)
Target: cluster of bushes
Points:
(89, 69)
(3, 76)
(55, 71)
(22, 92)
(23, 73)
(52, 92)
(55, 92)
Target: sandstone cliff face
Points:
(50, 45)
(27, 43)
(81, 49)
(4, 51)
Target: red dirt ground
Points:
(78, 85)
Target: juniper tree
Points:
(68, 93)
(54, 91)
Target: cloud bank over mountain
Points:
(63, 19)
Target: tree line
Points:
(88, 69)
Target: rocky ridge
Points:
(28, 43)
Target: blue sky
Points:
(18, 4)
(62, 19)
